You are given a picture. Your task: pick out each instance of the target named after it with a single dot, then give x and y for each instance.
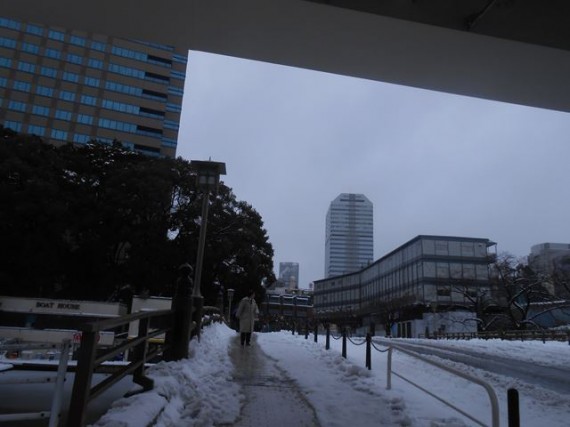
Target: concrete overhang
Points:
(361, 43)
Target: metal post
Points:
(316, 327)
(513, 407)
(328, 340)
(344, 342)
(306, 329)
(368, 351)
(55, 412)
(389, 370)
(197, 298)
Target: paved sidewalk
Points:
(271, 397)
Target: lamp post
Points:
(230, 297)
(207, 180)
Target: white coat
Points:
(247, 312)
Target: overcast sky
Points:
(431, 163)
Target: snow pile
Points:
(196, 392)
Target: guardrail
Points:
(54, 414)
(389, 372)
(536, 335)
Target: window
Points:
(3, 82)
(128, 53)
(30, 48)
(168, 142)
(118, 87)
(67, 96)
(5, 62)
(63, 115)
(126, 71)
(17, 106)
(91, 81)
(180, 59)
(79, 138)
(22, 86)
(74, 59)
(112, 124)
(77, 41)
(59, 134)
(6, 42)
(158, 78)
(119, 106)
(40, 110)
(177, 75)
(44, 91)
(85, 119)
(9, 23)
(173, 108)
(36, 130)
(98, 46)
(70, 77)
(95, 63)
(26, 67)
(48, 72)
(15, 126)
(170, 124)
(176, 91)
(56, 35)
(88, 100)
(52, 53)
(34, 29)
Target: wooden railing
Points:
(152, 324)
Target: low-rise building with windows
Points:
(424, 278)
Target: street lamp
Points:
(230, 297)
(207, 180)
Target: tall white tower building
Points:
(349, 243)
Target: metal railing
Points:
(54, 414)
(389, 372)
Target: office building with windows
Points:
(412, 286)
(349, 235)
(71, 86)
(289, 274)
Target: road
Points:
(556, 379)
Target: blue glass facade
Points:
(77, 87)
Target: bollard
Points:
(328, 340)
(344, 342)
(293, 329)
(316, 328)
(513, 407)
(368, 351)
(306, 330)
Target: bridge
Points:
(509, 51)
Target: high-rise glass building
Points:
(289, 274)
(71, 86)
(349, 244)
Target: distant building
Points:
(552, 259)
(349, 235)
(71, 86)
(427, 275)
(289, 274)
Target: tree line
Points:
(89, 222)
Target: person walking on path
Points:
(247, 312)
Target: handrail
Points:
(54, 413)
(490, 391)
(89, 358)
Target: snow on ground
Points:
(200, 391)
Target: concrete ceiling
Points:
(515, 51)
